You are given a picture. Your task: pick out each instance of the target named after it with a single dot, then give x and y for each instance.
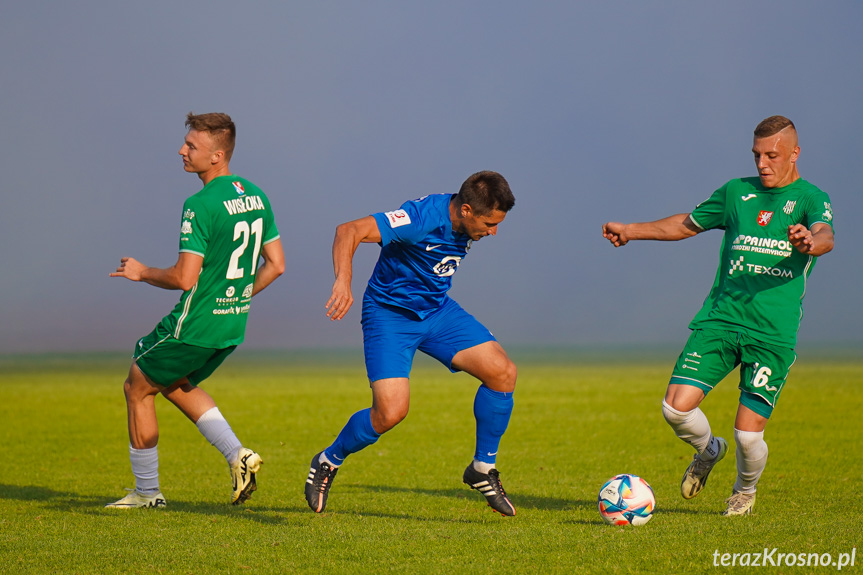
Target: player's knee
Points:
(127, 389)
(504, 376)
(673, 416)
(510, 374)
(384, 419)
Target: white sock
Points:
(693, 428)
(215, 428)
(145, 467)
(324, 459)
(482, 466)
(751, 459)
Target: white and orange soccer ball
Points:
(626, 500)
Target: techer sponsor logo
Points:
(771, 246)
(243, 205)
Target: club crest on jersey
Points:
(239, 187)
(447, 266)
(764, 217)
(789, 206)
(398, 218)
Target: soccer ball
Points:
(626, 500)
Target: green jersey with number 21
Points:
(761, 279)
(227, 223)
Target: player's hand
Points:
(129, 268)
(801, 238)
(614, 232)
(340, 301)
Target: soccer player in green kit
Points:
(226, 228)
(776, 225)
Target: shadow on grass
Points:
(54, 499)
(280, 514)
(520, 500)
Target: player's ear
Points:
(217, 156)
(466, 210)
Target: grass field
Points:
(400, 506)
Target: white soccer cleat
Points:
(695, 477)
(136, 499)
(243, 475)
(739, 504)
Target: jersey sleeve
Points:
(710, 214)
(194, 230)
(405, 225)
(818, 210)
(271, 232)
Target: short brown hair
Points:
(772, 125)
(485, 192)
(220, 127)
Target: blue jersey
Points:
(420, 252)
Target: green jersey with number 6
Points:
(227, 223)
(761, 279)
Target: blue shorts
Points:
(392, 335)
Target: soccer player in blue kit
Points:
(405, 308)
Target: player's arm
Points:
(348, 238)
(183, 275)
(672, 228)
(273, 266)
(815, 242)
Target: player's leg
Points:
(390, 401)
(140, 393)
(390, 340)
(751, 460)
(762, 378)
(201, 409)
(492, 409)
(709, 355)
(493, 403)
(460, 342)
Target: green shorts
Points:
(711, 354)
(166, 360)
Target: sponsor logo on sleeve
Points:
(186, 228)
(398, 218)
(828, 212)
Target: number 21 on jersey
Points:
(243, 231)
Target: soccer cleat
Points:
(739, 504)
(243, 475)
(135, 499)
(696, 474)
(318, 483)
(489, 485)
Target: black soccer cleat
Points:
(318, 483)
(489, 485)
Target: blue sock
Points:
(357, 434)
(491, 410)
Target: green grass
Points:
(400, 506)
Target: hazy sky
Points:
(593, 111)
